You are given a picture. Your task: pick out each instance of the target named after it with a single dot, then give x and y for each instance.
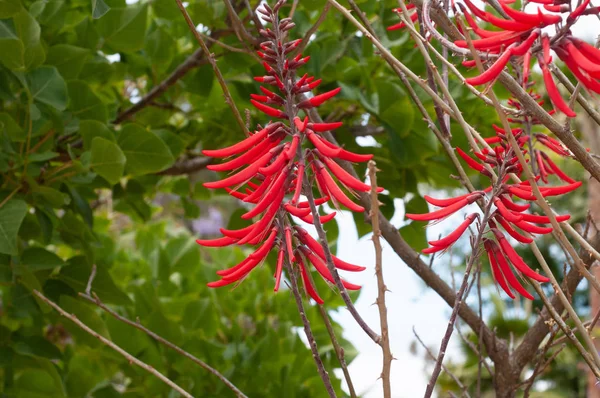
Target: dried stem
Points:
(313, 29)
(130, 358)
(381, 287)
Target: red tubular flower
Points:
(496, 271)
(446, 211)
(269, 169)
(457, 233)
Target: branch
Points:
(313, 29)
(381, 288)
(93, 298)
(193, 61)
(130, 358)
(187, 166)
(433, 357)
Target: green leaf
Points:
(107, 160)
(174, 142)
(145, 152)
(415, 235)
(11, 216)
(37, 347)
(85, 104)
(8, 8)
(69, 60)
(86, 314)
(99, 8)
(22, 34)
(48, 87)
(12, 50)
(124, 29)
(160, 48)
(37, 258)
(416, 205)
(90, 129)
(12, 129)
(49, 196)
(36, 383)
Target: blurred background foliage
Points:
(84, 181)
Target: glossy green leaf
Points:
(99, 8)
(145, 151)
(67, 59)
(90, 129)
(37, 258)
(8, 8)
(107, 160)
(11, 217)
(85, 104)
(47, 86)
(124, 29)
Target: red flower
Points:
(271, 169)
(511, 216)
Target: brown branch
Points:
(313, 28)
(187, 166)
(130, 358)
(213, 63)
(381, 288)
(366, 131)
(433, 357)
(238, 25)
(193, 61)
(93, 298)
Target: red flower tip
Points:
(318, 99)
(268, 110)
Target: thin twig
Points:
(96, 300)
(336, 276)
(313, 29)
(213, 63)
(308, 331)
(130, 358)
(193, 61)
(446, 370)
(88, 287)
(381, 287)
(459, 296)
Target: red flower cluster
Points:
(271, 169)
(518, 37)
(507, 214)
